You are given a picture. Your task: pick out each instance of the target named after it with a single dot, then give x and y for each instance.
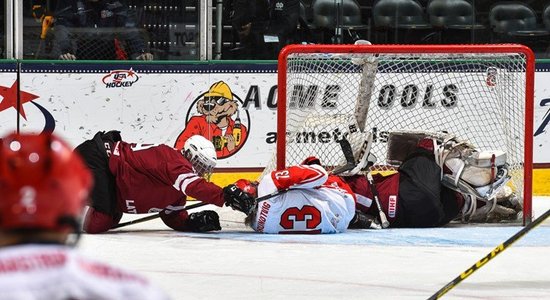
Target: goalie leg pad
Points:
(476, 168)
(467, 182)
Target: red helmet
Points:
(44, 185)
(311, 160)
(247, 186)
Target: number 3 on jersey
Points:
(308, 214)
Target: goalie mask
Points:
(43, 184)
(201, 153)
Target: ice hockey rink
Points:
(236, 263)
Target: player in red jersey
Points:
(137, 179)
(304, 199)
(43, 191)
(313, 202)
(439, 179)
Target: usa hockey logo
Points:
(120, 78)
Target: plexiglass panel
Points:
(111, 30)
(258, 29)
(3, 29)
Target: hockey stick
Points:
(366, 85)
(348, 154)
(381, 215)
(350, 164)
(155, 216)
(480, 263)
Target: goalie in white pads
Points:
(43, 190)
(439, 179)
(307, 200)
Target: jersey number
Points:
(310, 214)
(28, 199)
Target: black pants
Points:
(423, 201)
(103, 196)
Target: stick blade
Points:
(348, 154)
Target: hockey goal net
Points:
(479, 93)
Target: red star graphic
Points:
(9, 98)
(131, 72)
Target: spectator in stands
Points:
(249, 19)
(43, 188)
(97, 29)
(283, 22)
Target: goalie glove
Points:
(237, 199)
(203, 221)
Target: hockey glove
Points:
(362, 220)
(237, 199)
(203, 221)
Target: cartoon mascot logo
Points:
(218, 119)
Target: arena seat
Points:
(396, 15)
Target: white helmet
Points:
(201, 153)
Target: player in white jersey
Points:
(43, 188)
(309, 200)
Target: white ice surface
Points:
(236, 263)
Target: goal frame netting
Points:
(284, 92)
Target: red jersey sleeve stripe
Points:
(318, 174)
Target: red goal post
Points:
(480, 93)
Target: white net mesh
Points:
(478, 97)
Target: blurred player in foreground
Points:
(43, 188)
(148, 178)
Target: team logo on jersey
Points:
(218, 115)
(120, 78)
(10, 99)
(392, 206)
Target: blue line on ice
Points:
(445, 237)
